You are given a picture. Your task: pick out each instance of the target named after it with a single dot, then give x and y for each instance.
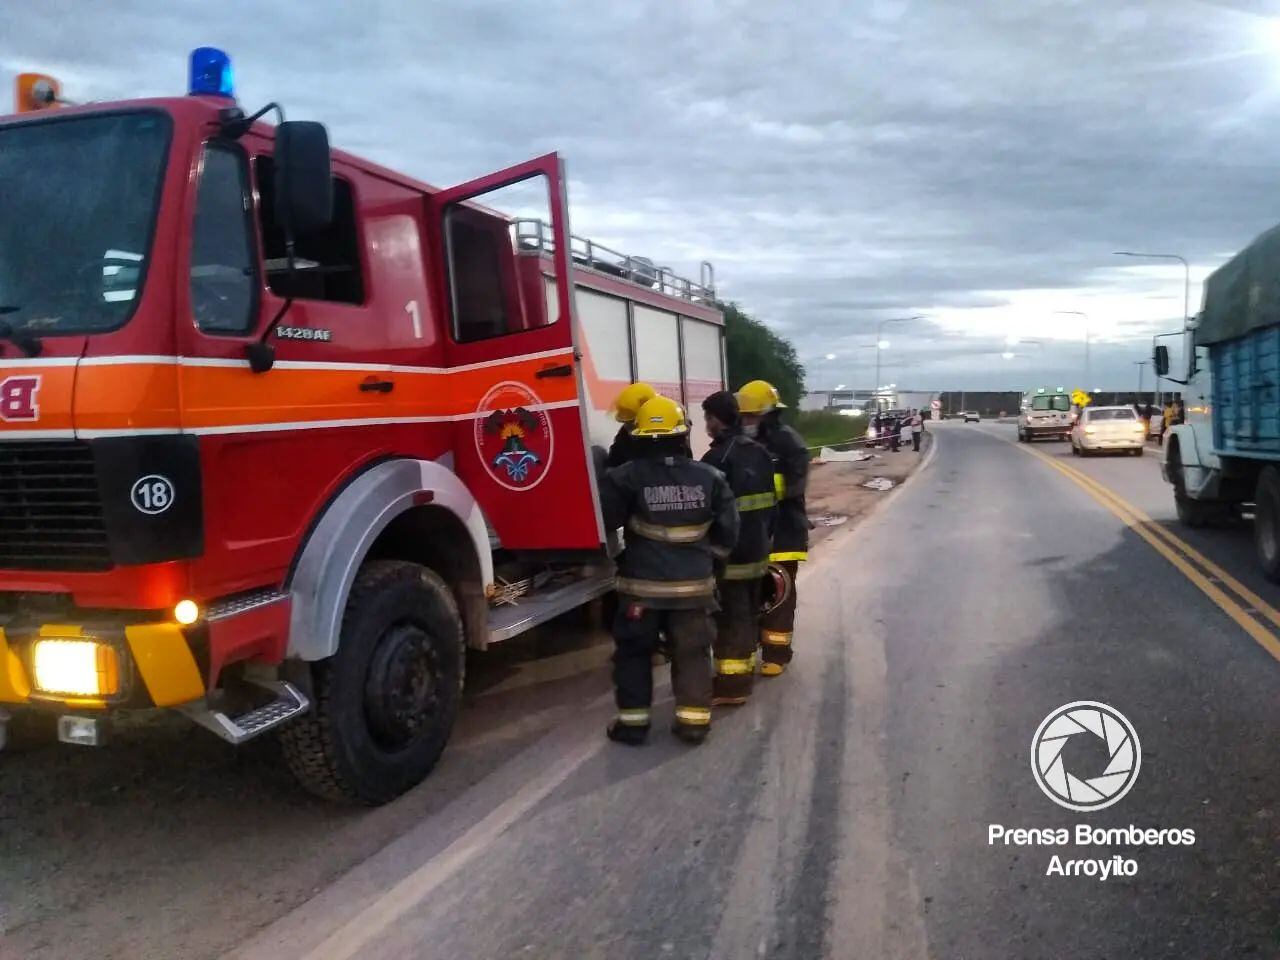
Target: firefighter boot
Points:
(692, 733)
(630, 734)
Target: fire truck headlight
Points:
(186, 612)
(75, 667)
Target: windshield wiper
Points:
(25, 342)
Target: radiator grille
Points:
(50, 508)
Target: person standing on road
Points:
(895, 433)
(917, 430)
(749, 469)
(628, 402)
(761, 418)
(1166, 420)
(679, 516)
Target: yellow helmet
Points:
(630, 400)
(660, 417)
(758, 397)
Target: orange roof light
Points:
(36, 91)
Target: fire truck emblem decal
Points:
(18, 399)
(513, 436)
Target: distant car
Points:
(971, 416)
(1099, 429)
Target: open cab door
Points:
(512, 347)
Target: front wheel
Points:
(1191, 513)
(385, 703)
(1266, 522)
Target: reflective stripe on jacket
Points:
(679, 514)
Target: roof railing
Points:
(536, 236)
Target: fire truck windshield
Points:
(77, 211)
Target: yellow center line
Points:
(1239, 589)
(1173, 549)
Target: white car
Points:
(1100, 429)
(971, 416)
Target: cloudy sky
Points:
(975, 163)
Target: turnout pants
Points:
(777, 625)
(736, 638)
(635, 633)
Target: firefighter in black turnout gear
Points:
(749, 469)
(680, 521)
(759, 405)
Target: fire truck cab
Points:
(282, 432)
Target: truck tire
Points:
(1191, 513)
(385, 703)
(1266, 522)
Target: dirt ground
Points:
(169, 843)
(836, 489)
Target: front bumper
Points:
(157, 664)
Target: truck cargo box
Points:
(1246, 409)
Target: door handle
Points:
(374, 385)
(563, 370)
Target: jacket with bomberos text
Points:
(678, 516)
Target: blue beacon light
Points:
(211, 73)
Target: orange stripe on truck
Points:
(165, 394)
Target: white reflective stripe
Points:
(7, 362)
(127, 432)
(682, 533)
(633, 718)
(282, 364)
(123, 359)
(634, 587)
(37, 434)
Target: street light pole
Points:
(1186, 288)
(879, 333)
(1140, 364)
(1081, 313)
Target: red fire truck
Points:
(282, 432)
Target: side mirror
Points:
(1160, 359)
(304, 177)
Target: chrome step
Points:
(289, 702)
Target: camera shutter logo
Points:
(1085, 790)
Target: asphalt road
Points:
(845, 812)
